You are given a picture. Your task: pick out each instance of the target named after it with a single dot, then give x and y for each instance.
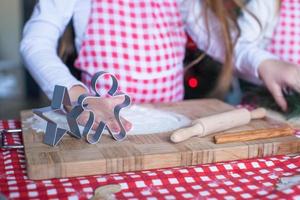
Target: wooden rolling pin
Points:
(216, 123)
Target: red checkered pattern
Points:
(244, 179)
(286, 38)
(141, 42)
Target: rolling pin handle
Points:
(186, 133)
(258, 113)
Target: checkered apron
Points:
(286, 39)
(141, 42)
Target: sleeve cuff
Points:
(68, 83)
(79, 83)
(248, 61)
(261, 57)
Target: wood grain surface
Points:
(74, 157)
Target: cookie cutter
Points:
(82, 105)
(3, 144)
(61, 101)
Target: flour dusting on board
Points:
(144, 120)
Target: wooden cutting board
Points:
(74, 157)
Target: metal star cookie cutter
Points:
(61, 100)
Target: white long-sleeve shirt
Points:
(256, 34)
(50, 18)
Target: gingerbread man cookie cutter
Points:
(91, 137)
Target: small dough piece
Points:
(106, 192)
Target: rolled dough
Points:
(144, 120)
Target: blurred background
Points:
(18, 91)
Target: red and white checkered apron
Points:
(286, 39)
(141, 42)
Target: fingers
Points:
(112, 123)
(115, 127)
(127, 125)
(95, 125)
(293, 81)
(297, 80)
(279, 97)
(83, 118)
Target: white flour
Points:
(144, 120)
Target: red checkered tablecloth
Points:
(243, 179)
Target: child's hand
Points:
(279, 76)
(102, 108)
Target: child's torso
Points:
(141, 42)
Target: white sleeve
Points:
(39, 44)
(207, 38)
(248, 53)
